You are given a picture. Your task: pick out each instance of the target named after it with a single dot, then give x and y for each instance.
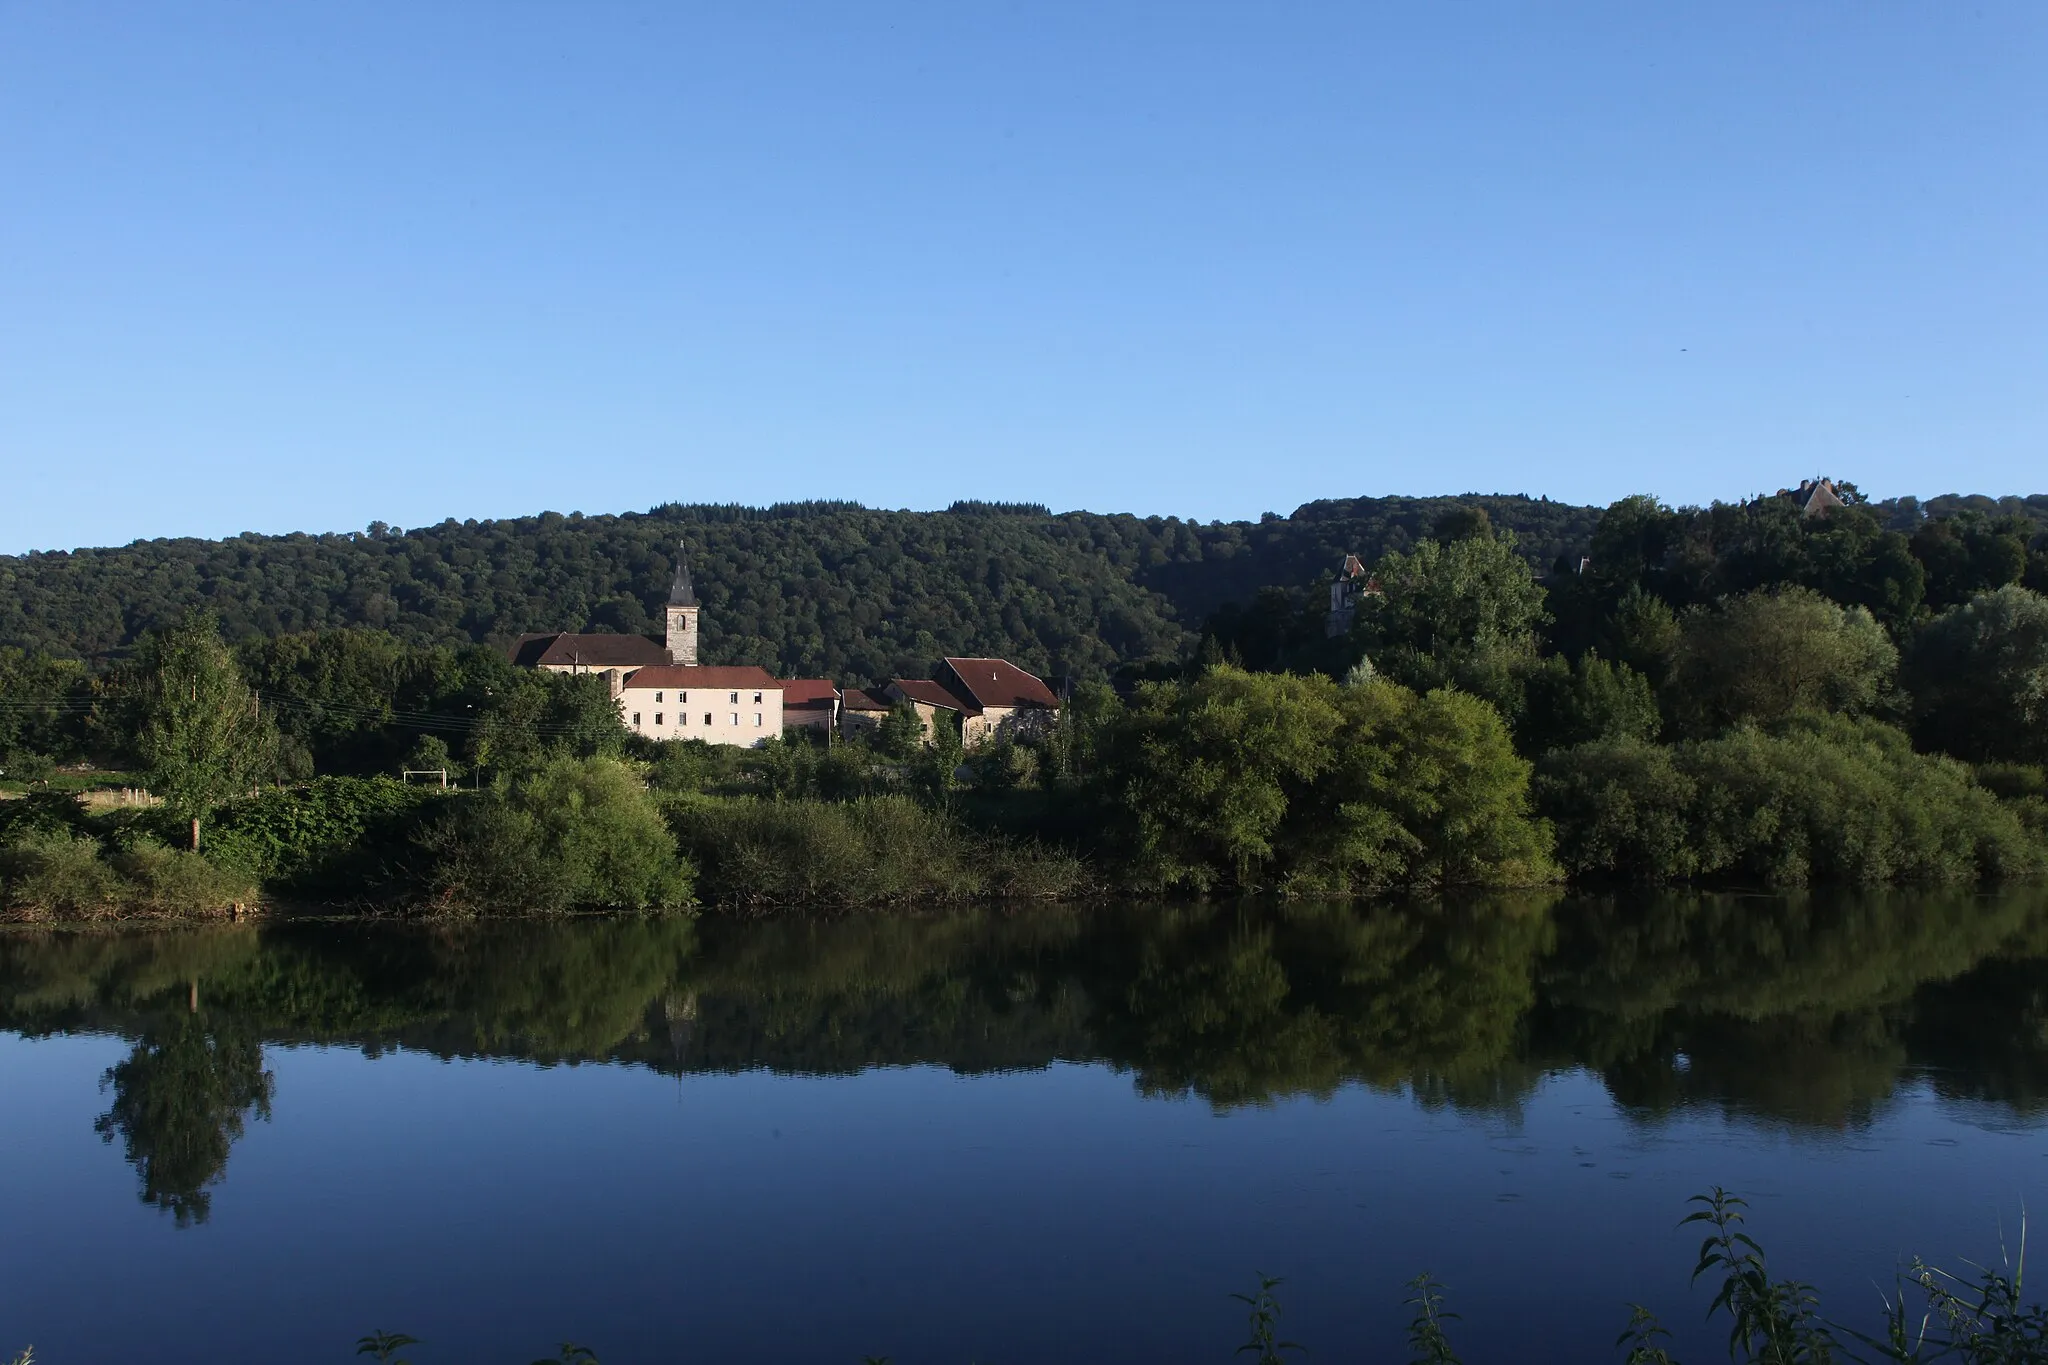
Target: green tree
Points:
(1978, 675)
(1642, 632)
(901, 734)
(1622, 810)
(202, 736)
(1968, 554)
(1198, 776)
(939, 762)
(1770, 654)
(1440, 602)
(44, 706)
(1566, 704)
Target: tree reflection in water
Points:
(1809, 1010)
(180, 1100)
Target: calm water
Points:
(1049, 1136)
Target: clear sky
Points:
(294, 266)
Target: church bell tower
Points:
(682, 614)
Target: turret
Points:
(682, 614)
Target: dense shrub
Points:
(331, 833)
(1562, 704)
(1813, 799)
(1622, 809)
(44, 812)
(573, 834)
(1262, 779)
(57, 875)
(1421, 791)
(873, 851)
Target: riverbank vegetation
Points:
(1738, 695)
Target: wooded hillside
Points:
(831, 589)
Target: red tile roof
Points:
(861, 699)
(808, 691)
(931, 694)
(998, 682)
(683, 676)
(563, 649)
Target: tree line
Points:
(1688, 703)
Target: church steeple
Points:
(682, 613)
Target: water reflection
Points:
(1808, 1010)
(180, 1100)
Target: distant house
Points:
(930, 700)
(862, 711)
(562, 652)
(742, 705)
(989, 697)
(1000, 696)
(810, 704)
(1815, 497)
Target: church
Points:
(662, 692)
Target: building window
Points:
(657, 699)
(683, 697)
(636, 719)
(757, 720)
(657, 720)
(707, 717)
(757, 699)
(735, 697)
(735, 718)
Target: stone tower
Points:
(682, 614)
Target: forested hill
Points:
(831, 589)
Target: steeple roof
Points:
(680, 591)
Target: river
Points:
(1036, 1135)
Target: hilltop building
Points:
(1351, 586)
(1815, 497)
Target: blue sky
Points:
(275, 267)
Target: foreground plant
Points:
(1985, 1321)
(1264, 1342)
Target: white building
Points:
(740, 705)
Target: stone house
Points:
(987, 696)
(861, 712)
(929, 699)
(1000, 697)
